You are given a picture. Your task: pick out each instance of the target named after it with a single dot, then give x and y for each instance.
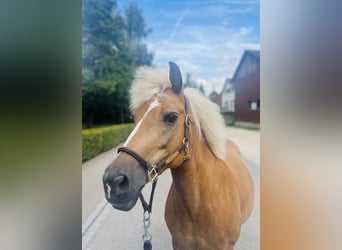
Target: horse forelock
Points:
(149, 82)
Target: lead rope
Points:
(147, 237)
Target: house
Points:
(228, 97)
(246, 82)
(228, 102)
(215, 98)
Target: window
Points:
(253, 105)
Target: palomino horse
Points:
(212, 193)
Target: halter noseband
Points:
(154, 170)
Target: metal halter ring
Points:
(152, 174)
(188, 121)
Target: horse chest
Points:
(198, 230)
(200, 224)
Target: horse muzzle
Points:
(122, 185)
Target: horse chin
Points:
(125, 204)
(124, 207)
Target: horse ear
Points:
(175, 78)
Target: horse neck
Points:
(188, 179)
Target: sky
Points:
(206, 38)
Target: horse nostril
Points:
(121, 183)
(119, 179)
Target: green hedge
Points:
(98, 140)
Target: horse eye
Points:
(170, 118)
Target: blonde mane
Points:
(151, 81)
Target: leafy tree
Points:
(103, 39)
(112, 47)
(201, 89)
(190, 83)
(136, 33)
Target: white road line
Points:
(92, 217)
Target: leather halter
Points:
(153, 171)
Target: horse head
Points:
(158, 139)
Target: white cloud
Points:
(250, 46)
(188, 66)
(210, 56)
(209, 50)
(240, 2)
(244, 10)
(245, 30)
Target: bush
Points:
(98, 140)
(229, 119)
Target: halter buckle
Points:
(152, 174)
(186, 149)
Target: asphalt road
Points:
(106, 228)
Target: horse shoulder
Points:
(178, 222)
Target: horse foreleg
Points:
(230, 247)
(180, 246)
(177, 247)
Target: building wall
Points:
(215, 98)
(247, 97)
(228, 99)
(228, 102)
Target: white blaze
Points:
(153, 105)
